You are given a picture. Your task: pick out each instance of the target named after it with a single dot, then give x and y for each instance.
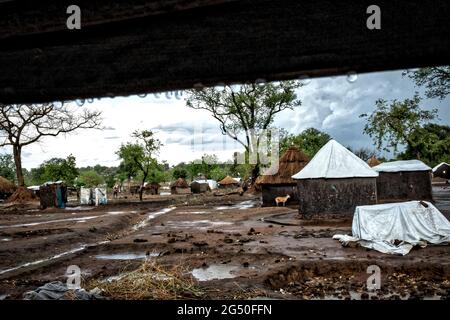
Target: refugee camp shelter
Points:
(180, 186)
(373, 161)
(442, 170)
(53, 194)
(7, 188)
(404, 180)
(228, 182)
(200, 186)
(151, 188)
(335, 181)
(277, 181)
(93, 196)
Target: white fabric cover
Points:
(378, 226)
(85, 196)
(438, 166)
(335, 161)
(212, 183)
(403, 165)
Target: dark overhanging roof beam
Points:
(123, 49)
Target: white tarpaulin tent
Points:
(335, 161)
(403, 165)
(411, 223)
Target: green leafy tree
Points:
(7, 167)
(392, 124)
(309, 141)
(218, 173)
(436, 80)
(179, 173)
(56, 169)
(90, 179)
(245, 112)
(140, 156)
(432, 142)
(109, 174)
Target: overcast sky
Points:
(329, 104)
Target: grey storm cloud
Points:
(334, 105)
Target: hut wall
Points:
(178, 190)
(317, 196)
(197, 187)
(271, 191)
(406, 185)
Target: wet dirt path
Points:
(228, 245)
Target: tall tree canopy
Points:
(432, 142)
(25, 124)
(244, 112)
(56, 169)
(309, 141)
(139, 156)
(392, 124)
(436, 80)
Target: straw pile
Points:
(22, 195)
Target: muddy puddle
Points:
(215, 272)
(126, 256)
(79, 208)
(79, 248)
(201, 224)
(80, 219)
(192, 212)
(241, 205)
(151, 216)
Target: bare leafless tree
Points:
(25, 124)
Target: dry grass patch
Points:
(152, 281)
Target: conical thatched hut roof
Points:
(291, 162)
(372, 162)
(180, 183)
(6, 186)
(227, 181)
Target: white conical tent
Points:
(335, 161)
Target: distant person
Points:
(115, 191)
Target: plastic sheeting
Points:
(58, 291)
(395, 228)
(93, 196)
(403, 165)
(335, 161)
(212, 183)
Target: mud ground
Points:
(232, 247)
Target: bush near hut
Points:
(7, 188)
